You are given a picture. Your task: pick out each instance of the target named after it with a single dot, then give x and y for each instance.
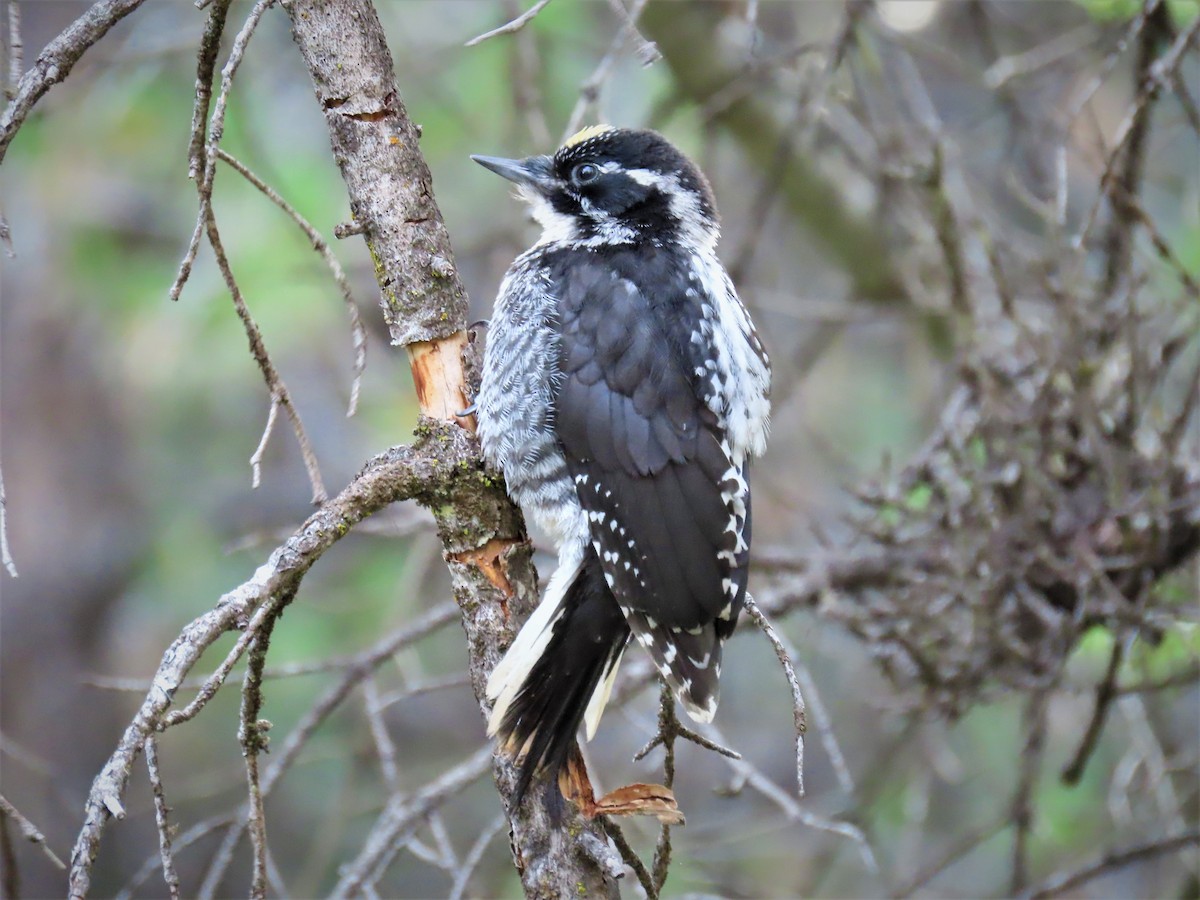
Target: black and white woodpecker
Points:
(624, 391)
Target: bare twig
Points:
(206, 64)
(202, 152)
(258, 350)
(1106, 692)
(589, 91)
(197, 832)
(670, 728)
(10, 872)
(16, 49)
(646, 50)
(1034, 724)
(5, 554)
(668, 725)
(1039, 57)
(509, 27)
(462, 879)
(1112, 861)
(784, 655)
(392, 476)
(525, 66)
(1157, 76)
(55, 62)
(161, 811)
(959, 849)
(384, 747)
(357, 669)
(401, 817)
(29, 831)
(746, 773)
(6, 237)
(357, 330)
(796, 137)
(823, 723)
(257, 456)
(630, 858)
(253, 738)
(343, 230)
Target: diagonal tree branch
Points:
(395, 475)
(55, 62)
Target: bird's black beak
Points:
(535, 171)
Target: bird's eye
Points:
(584, 173)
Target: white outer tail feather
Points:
(595, 707)
(510, 673)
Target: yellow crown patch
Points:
(586, 134)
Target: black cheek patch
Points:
(616, 193)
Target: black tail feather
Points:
(585, 642)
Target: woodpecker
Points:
(624, 391)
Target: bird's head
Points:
(610, 185)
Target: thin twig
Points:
(1111, 861)
(956, 852)
(10, 872)
(799, 719)
(206, 65)
(647, 51)
(1022, 812)
(257, 456)
(6, 237)
(1157, 76)
(357, 669)
(5, 553)
(198, 168)
(1118, 238)
(1106, 692)
(384, 746)
(746, 773)
(1039, 57)
(401, 817)
(29, 831)
(216, 129)
(197, 832)
(253, 739)
(270, 374)
(57, 59)
(357, 330)
(462, 879)
(161, 810)
(16, 49)
(824, 724)
(796, 137)
(525, 67)
(394, 475)
(509, 27)
(589, 91)
(668, 725)
(631, 859)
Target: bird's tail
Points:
(560, 668)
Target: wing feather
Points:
(650, 467)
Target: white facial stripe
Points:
(685, 207)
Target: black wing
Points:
(668, 511)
